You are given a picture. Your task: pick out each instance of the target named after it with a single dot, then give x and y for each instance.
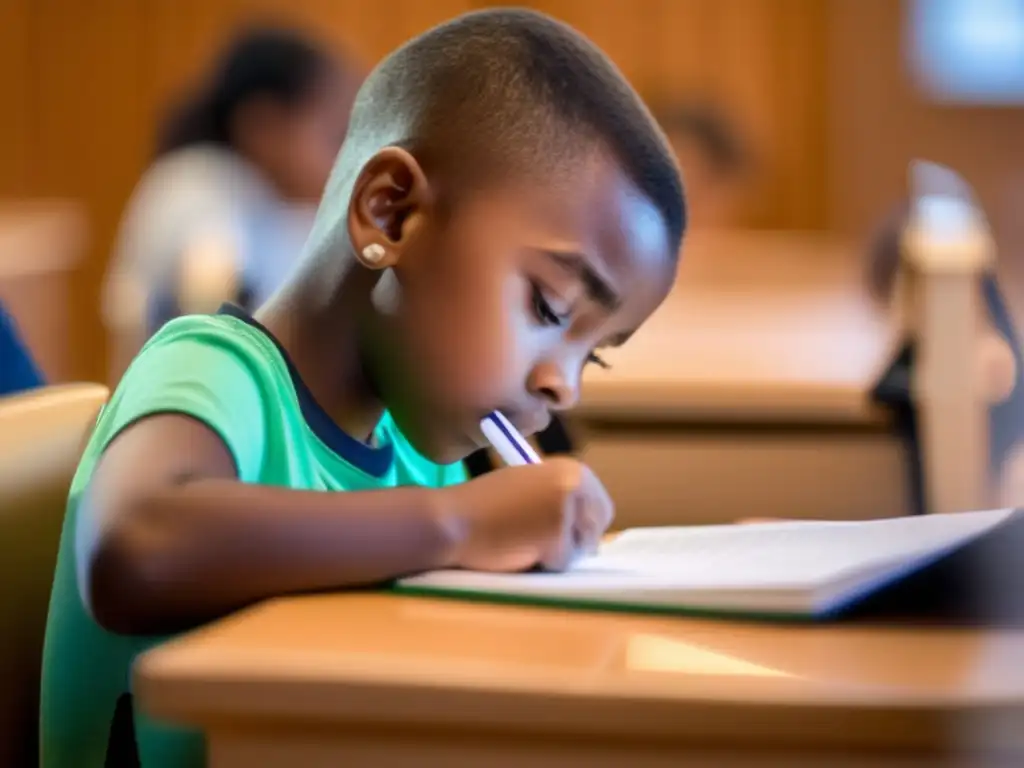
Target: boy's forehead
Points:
(593, 210)
(594, 202)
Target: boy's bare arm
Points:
(168, 537)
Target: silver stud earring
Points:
(373, 253)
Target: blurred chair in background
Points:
(224, 212)
(996, 360)
(42, 434)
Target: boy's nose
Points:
(548, 382)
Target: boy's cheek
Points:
(489, 354)
(475, 381)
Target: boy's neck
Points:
(316, 319)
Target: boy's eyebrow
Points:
(597, 287)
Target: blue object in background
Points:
(18, 372)
(968, 51)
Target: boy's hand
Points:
(537, 515)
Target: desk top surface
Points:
(368, 656)
(759, 324)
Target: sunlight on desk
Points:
(656, 653)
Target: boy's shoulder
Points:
(220, 325)
(216, 369)
(203, 336)
(209, 357)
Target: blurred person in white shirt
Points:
(223, 213)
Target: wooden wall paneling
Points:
(745, 82)
(92, 126)
(801, 145)
(679, 37)
(620, 28)
(189, 33)
(16, 97)
(185, 36)
(342, 24)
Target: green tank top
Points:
(228, 372)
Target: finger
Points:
(589, 527)
(563, 550)
(601, 507)
(559, 558)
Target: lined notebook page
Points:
(784, 555)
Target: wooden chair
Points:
(42, 434)
(947, 291)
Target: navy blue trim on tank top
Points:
(373, 461)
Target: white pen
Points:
(511, 446)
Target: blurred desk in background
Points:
(748, 393)
(41, 244)
(382, 681)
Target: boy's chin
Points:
(446, 449)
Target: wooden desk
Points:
(41, 244)
(387, 682)
(773, 327)
(759, 367)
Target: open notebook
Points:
(795, 569)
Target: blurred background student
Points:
(716, 161)
(224, 211)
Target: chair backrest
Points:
(42, 434)
(947, 250)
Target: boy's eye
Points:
(542, 308)
(544, 312)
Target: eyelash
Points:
(545, 314)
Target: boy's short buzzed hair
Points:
(509, 86)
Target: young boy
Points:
(503, 207)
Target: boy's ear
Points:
(388, 204)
